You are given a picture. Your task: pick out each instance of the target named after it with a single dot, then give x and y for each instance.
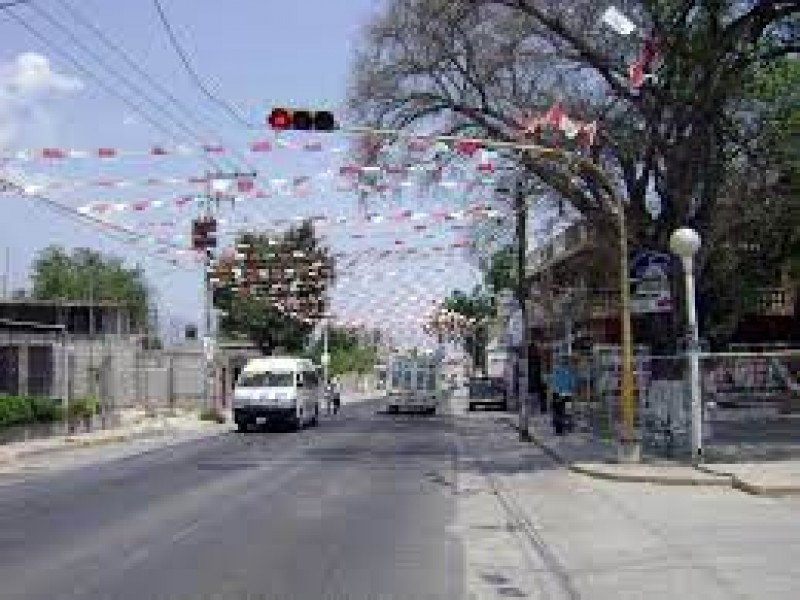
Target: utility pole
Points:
(326, 357)
(219, 186)
(92, 370)
(521, 216)
(208, 349)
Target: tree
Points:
(350, 351)
(479, 67)
(477, 307)
(282, 292)
(500, 274)
(86, 275)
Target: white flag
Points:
(618, 21)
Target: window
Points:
(432, 379)
(266, 379)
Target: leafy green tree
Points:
(500, 274)
(477, 306)
(87, 275)
(350, 351)
(266, 326)
(281, 292)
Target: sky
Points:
(62, 87)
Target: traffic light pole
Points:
(208, 354)
(521, 216)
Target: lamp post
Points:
(685, 242)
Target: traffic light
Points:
(282, 119)
(204, 233)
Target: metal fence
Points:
(750, 400)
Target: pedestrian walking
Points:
(563, 384)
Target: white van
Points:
(277, 389)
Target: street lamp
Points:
(685, 242)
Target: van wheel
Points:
(242, 427)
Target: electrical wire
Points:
(154, 104)
(232, 111)
(109, 89)
(188, 112)
(114, 231)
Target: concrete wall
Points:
(116, 370)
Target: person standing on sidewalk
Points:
(563, 382)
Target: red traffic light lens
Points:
(280, 118)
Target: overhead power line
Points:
(114, 231)
(232, 111)
(189, 113)
(88, 72)
(156, 105)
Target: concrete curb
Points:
(756, 489)
(667, 478)
(773, 491)
(72, 443)
(75, 443)
(599, 472)
(714, 477)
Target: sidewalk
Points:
(134, 426)
(585, 454)
(532, 530)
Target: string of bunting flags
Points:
(476, 210)
(298, 189)
(345, 176)
(412, 144)
(556, 118)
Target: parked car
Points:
(487, 392)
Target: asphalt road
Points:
(357, 508)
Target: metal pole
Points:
(521, 213)
(325, 355)
(208, 341)
(65, 361)
(627, 383)
(694, 361)
(92, 376)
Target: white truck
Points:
(414, 383)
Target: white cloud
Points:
(31, 75)
(27, 84)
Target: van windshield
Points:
(267, 379)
